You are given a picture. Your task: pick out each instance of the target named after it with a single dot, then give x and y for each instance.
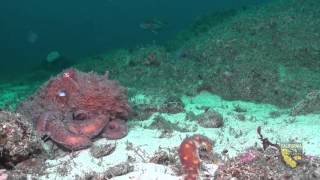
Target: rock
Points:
(99, 151)
(117, 170)
(210, 119)
(18, 139)
(309, 104)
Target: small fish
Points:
(153, 25)
(32, 37)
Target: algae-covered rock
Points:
(309, 104)
(18, 140)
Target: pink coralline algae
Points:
(248, 156)
(75, 107)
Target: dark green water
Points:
(31, 29)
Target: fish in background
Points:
(51, 64)
(56, 62)
(32, 37)
(153, 25)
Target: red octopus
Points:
(189, 154)
(75, 107)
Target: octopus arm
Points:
(89, 127)
(189, 155)
(115, 129)
(59, 134)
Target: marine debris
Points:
(271, 162)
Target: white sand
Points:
(235, 136)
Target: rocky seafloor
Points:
(257, 68)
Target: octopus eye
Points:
(80, 115)
(62, 93)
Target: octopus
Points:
(190, 151)
(75, 108)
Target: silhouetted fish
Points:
(32, 37)
(154, 25)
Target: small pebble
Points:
(99, 151)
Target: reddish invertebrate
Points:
(41, 124)
(58, 133)
(189, 154)
(75, 107)
(42, 121)
(115, 129)
(89, 127)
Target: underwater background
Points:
(30, 30)
(147, 90)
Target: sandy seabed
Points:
(235, 136)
